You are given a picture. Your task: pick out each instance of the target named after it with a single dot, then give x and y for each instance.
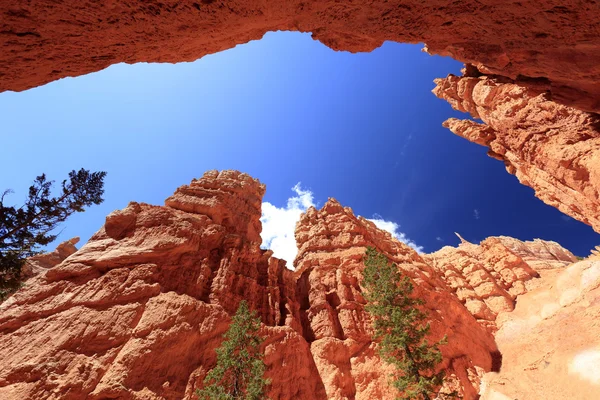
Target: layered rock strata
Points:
(487, 278)
(138, 311)
(331, 244)
(549, 147)
(540, 254)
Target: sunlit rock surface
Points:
(551, 148)
(550, 342)
(551, 42)
(331, 244)
(489, 276)
(139, 310)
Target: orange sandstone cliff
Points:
(550, 342)
(138, 311)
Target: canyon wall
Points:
(488, 277)
(138, 311)
(550, 341)
(331, 243)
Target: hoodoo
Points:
(138, 311)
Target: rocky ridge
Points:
(488, 277)
(41, 262)
(137, 312)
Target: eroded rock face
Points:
(540, 254)
(550, 342)
(487, 278)
(549, 147)
(554, 41)
(331, 243)
(139, 310)
(41, 262)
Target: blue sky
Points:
(363, 128)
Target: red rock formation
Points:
(553, 41)
(137, 312)
(550, 342)
(540, 254)
(41, 262)
(331, 244)
(488, 277)
(552, 148)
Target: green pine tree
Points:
(240, 368)
(400, 327)
(23, 230)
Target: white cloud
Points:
(439, 239)
(476, 213)
(406, 143)
(278, 224)
(392, 228)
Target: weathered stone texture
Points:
(551, 148)
(487, 278)
(554, 41)
(41, 262)
(137, 312)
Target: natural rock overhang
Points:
(551, 42)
